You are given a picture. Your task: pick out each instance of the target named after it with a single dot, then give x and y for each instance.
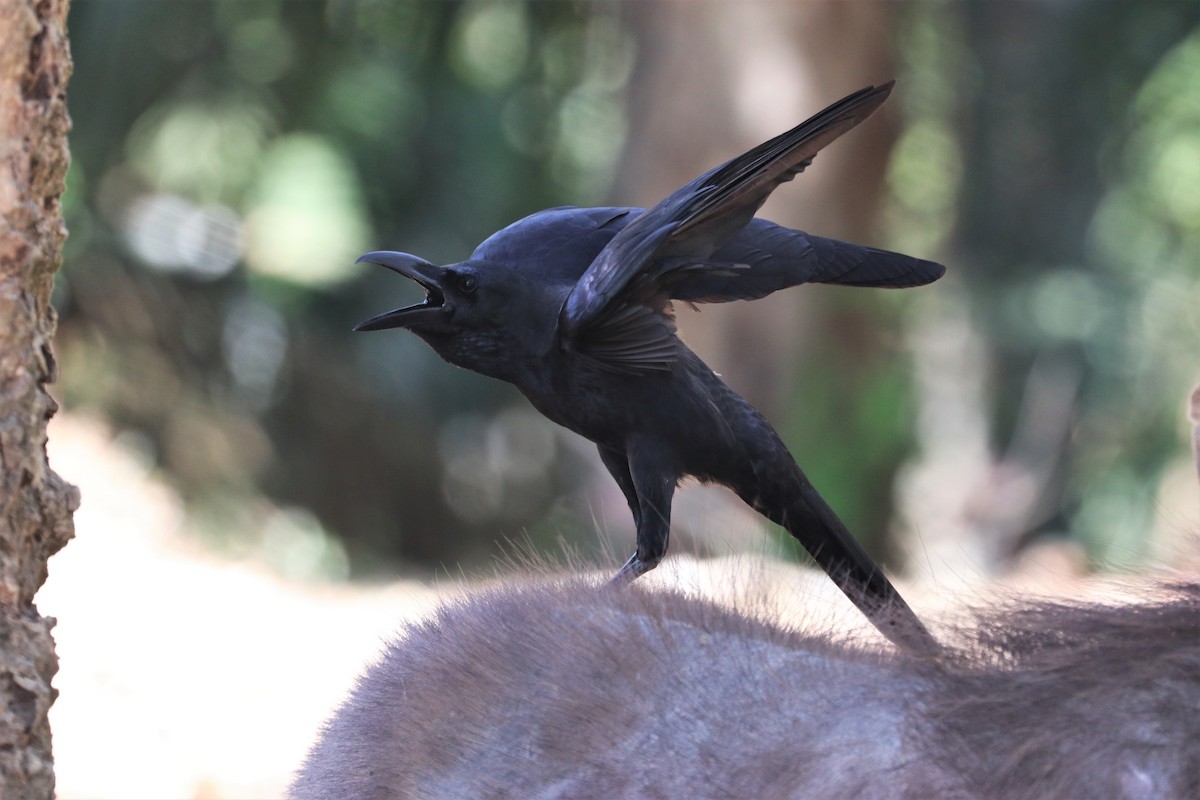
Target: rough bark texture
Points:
(35, 504)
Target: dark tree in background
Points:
(1052, 404)
(35, 504)
(1044, 227)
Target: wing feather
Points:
(657, 249)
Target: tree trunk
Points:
(36, 503)
(1046, 140)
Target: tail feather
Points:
(766, 257)
(857, 265)
(815, 525)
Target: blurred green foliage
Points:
(231, 159)
(1081, 257)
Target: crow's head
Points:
(478, 315)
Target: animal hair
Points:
(560, 688)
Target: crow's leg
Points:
(618, 466)
(653, 484)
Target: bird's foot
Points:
(633, 569)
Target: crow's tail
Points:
(810, 519)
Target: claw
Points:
(633, 569)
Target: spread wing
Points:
(619, 310)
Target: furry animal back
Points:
(524, 692)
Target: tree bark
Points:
(36, 505)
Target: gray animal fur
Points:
(567, 690)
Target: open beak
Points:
(418, 270)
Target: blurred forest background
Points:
(232, 159)
(241, 453)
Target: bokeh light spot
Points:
(306, 223)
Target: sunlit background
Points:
(232, 159)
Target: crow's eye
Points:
(468, 283)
